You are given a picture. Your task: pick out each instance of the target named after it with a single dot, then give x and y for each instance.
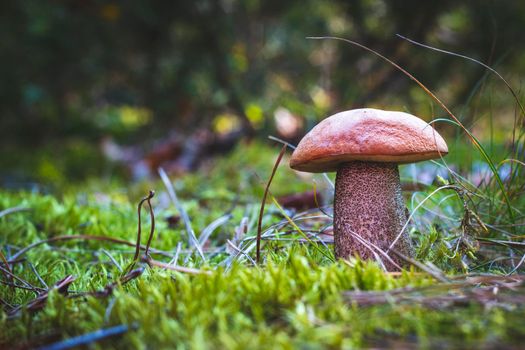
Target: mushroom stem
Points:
(369, 203)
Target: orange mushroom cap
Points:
(367, 134)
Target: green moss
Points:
(291, 304)
(295, 299)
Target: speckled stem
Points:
(368, 201)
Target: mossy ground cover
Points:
(297, 297)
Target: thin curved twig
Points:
(139, 207)
(263, 203)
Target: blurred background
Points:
(118, 88)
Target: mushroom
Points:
(365, 147)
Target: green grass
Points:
(467, 230)
(295, 299)
(290, 303)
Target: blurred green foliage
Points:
(75, 72)
(86, 68)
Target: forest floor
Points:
(68, 276)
